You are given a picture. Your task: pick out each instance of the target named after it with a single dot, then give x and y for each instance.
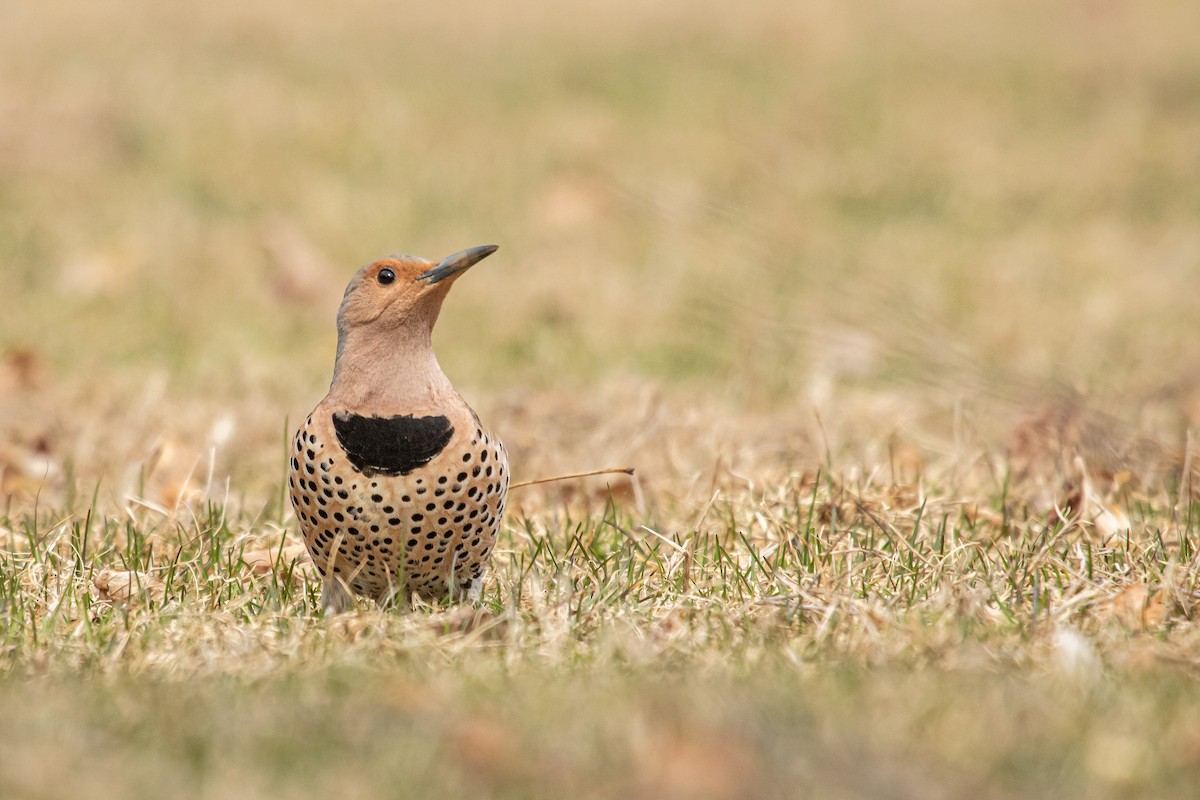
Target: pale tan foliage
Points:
(123, 586)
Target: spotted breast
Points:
(398, 504)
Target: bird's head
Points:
(402, 291)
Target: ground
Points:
(891, 307)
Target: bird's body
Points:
(398, 487)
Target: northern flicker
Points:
(397, 485)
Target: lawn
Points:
(891, 307)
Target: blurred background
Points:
(774, 206)
(893, 306)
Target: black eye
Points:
(386, 276)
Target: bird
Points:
(398, 487)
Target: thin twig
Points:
(573, 475)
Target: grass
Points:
(813, 637)
(891, 307)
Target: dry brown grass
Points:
(891, 306)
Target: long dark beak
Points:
(462, 260)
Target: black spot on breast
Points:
(391, 445)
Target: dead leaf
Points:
(1139, 610)
(171, 477)
(265, 560)
(121, 586)
(175, 494)
(1081, 502)
(841, 513)
(25, 468)
(1109, 521)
